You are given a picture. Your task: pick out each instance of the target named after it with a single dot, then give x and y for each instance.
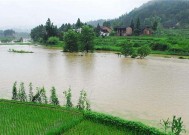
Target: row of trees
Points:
(42, 33)
(7, 33)
(19, 94)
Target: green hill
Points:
(170, 13)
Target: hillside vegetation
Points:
(170, 13)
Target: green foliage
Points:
(38, 33)
(71, 41)
(127, 50)
(173, 13)
(160, 46)
(30, 92)
(97, 30)
(175, 126)
(134, 54)
(165, 124)
(83, 103)
(53, 41)
(144, 51)
(135, 127)
(42, 33)
(54, 99)
(107, 24)
(21, 93)
(87, 39)
(68, 96)
(78, 24)
(51, 30)
(14, 92)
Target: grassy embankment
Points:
(169, 42)
(29, 118)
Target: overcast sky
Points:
(30, 13)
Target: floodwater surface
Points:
(145, 90)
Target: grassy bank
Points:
(29, 118)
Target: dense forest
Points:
(170, 13)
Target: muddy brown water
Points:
(145, 90)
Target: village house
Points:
(147, 31)
(105, 31)
(123, 31)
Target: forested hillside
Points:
(170, 13)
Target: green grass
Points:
(31, 118)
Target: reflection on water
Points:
(146, 90)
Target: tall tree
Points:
(51, 30)
(87, 38)
(78, 24)
(97, 30)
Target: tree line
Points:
(77, 37)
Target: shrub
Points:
(160, 46)
(21, 93)
(53, 41)
(14, 92)
(71, 41)
(144, 51)
(134, 54)
(127, 50)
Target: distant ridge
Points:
(171, 13)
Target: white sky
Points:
(30, 13)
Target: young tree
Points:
(107, 24)
(30, 92)
(21, 93)
(54, 99)
(144, 51)
(78, 24)
(43, 96)
(138, 28)
(68, 96)
(87, 38)
(14, 92)
(83, 103)
(71, 41)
